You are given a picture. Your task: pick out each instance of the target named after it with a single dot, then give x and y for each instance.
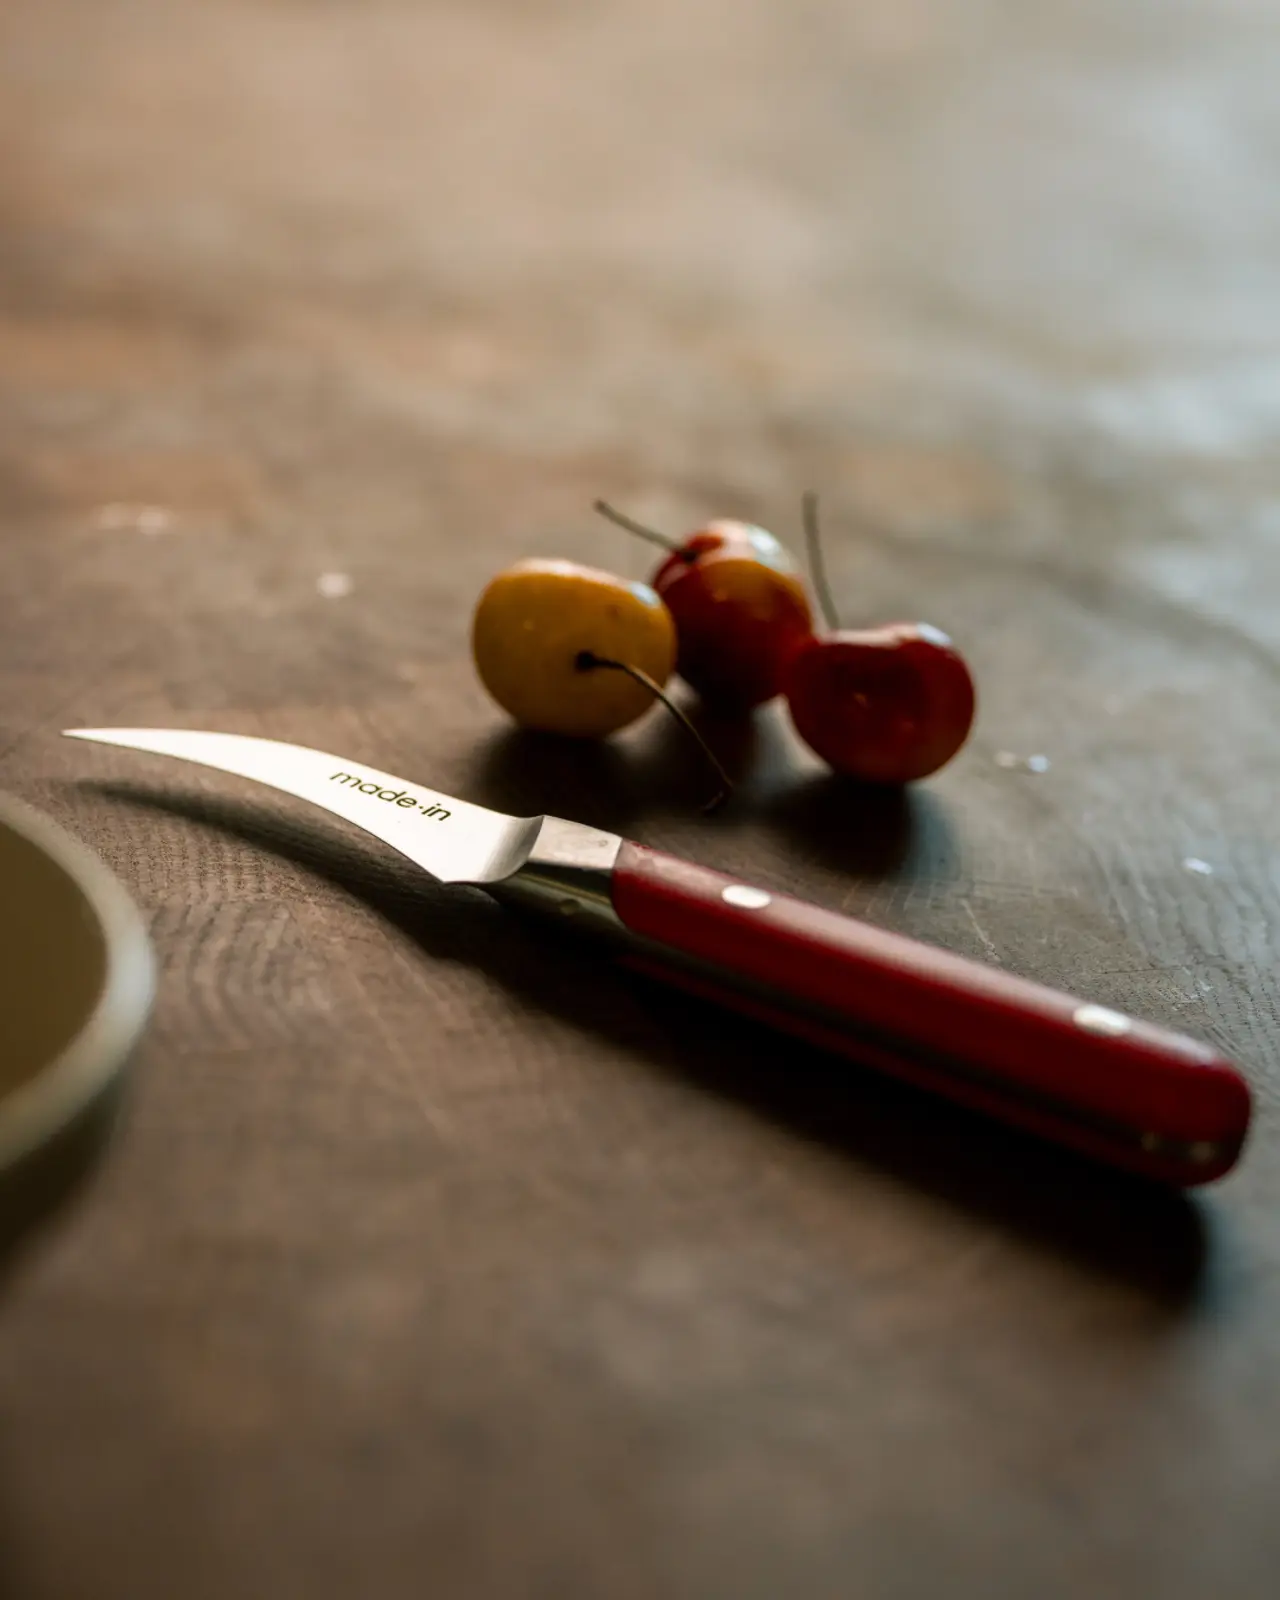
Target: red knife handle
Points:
(1121, 1090)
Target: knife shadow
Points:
(1151, 1237)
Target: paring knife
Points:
(1120, 1090)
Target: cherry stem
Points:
(817, 564)
(588, 660)
(639, 529)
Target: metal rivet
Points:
(745, 897)
(1098, 1019)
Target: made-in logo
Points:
(398, 797)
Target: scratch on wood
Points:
(440, 1123)
(984, 937)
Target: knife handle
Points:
(1114, 1088)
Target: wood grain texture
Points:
(433, 1257)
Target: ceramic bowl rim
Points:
(86, 1067)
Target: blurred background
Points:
(967, 269)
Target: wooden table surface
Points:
(433, 1258)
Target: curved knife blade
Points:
(454, 841)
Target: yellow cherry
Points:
(540, 625)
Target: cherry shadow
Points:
(861, 830)
(745, 743)
(615, 784)
(750, 746)
(1153, 1238)
(858, 830)
(529, 774)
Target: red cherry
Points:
(884, 705)
(739, 606)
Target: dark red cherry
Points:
(883, 705)
(739, 605)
